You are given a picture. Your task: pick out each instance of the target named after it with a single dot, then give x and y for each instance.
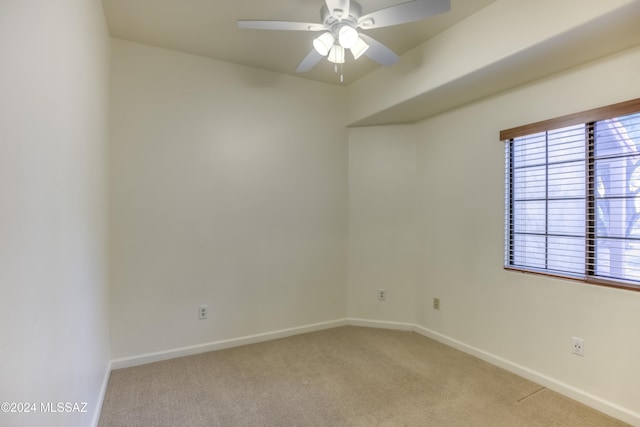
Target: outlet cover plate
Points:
(577, 346)
(203, 312)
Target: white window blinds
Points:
(616, 222)
(572, 199)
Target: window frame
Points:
(586, 118)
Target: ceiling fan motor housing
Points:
(330, 20)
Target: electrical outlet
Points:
(436, 303)
(203, 312)
(578, 346)
(382, 294)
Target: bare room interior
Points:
(183, 190)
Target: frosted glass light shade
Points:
(323, 43)
(359, 48)
(336, 54)
(347, 37)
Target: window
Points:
(572, 196)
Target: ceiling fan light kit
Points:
(347, 36)
(341, 20)
(359, 48)
(336, 54)
(323, 43)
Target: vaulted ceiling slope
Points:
(506, 44)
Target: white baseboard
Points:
(574, 393)
(380, 324)
(142, 359)
(100, 400)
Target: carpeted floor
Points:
(347, 376)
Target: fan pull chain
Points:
(335, 69)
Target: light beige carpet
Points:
(347, 376)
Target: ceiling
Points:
(208, 28)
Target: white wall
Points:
(382, 233)
(53, 244)
(228, 187)
(526, 321)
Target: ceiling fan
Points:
(341, 20)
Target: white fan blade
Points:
(281, 25)
(379, 52)
(405, 12)
(338, 8)
(309, 61)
